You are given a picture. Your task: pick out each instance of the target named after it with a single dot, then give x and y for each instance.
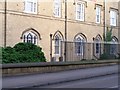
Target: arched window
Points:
(57, 38)
(97, 44)
(30, 37)
(79, 44)
(113, 46)
(57, 44)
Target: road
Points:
(37, 80)
(108, 81)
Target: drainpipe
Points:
(65, 30)
(104, 18)
(104, 24)
(5, 23)
(51, 47)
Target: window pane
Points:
(113, 18)
(98, 14)
(80, 12)
(79, 46)
(57, 8)
(30, 38)
(57, 44)
(34, 41)
(56, 49)
(31, 6)
(97, 48)
(35, 7)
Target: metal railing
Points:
(77, 51)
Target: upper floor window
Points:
(113, 18)
(31, 6)
(57, 8)
(98, 14)
(80, 8)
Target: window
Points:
(80, 11)
(31, 6)
(97, 47)
(58, 40)
(113, 18)
(98, 14)
(30, 37)
(79, 45)
(113, 47)
(57, 44)
(57, 8)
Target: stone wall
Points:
(31, 68)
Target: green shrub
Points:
(107, 56)
(118, 56)
(0, 54)
(23, 52)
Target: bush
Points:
(0, 54)
(22, 52)
(107, 56)
(118, 56)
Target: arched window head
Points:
(30, 37)
(79, 39)
(114, 40)
(58, 37)
(98, 38)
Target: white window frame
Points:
(80, 11)
(32, 8)
(79, 45)
(97, 48)
(34, 38)
(59, 40)
(57, 8)
(113, 46)
(113, 18)
(98, 14)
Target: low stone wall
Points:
(29, 68)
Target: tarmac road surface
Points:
(37, 80)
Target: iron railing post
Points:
(51, 47)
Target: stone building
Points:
(49, 23)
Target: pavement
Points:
(33, 80)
